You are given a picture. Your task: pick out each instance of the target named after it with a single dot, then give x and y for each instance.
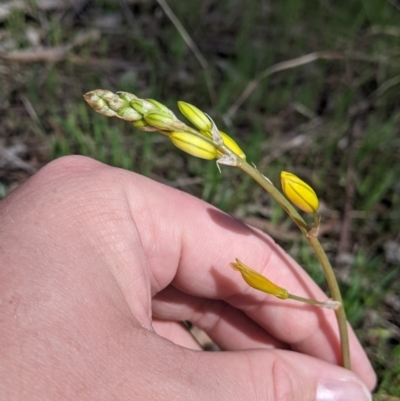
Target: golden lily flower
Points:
(258, 281)
(299, 193)
(193, 145)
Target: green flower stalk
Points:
(207, 142)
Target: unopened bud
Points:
(112, 105)
(143, 106)
(129, 114)
(161, 107)
(193, 145)
(299, 193)
(127, 96)
(143, 126)
(195, 116)
(163, 121)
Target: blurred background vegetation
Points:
(331, 115)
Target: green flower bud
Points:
(143, 126)
(129, 114)
(163, 121)
(258, 281)
(193, 145)
(195, 116)
(111, 104)
(299, 193)
(143, 106)
(116, 103)
(95, 100)
(127, 96)
(161, 107)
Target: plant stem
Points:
(319, 251)
(327, 304)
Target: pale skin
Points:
(98, 267)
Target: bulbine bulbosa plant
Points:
(206, 141)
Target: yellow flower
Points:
(195, 116)
(299, 193)
(193, 145)
(258, 281)
(232, 145)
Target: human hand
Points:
(99, 265)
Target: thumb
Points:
(269, 375)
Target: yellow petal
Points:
(232, 145)
(193, 145)
(258, 281)
(299, 193)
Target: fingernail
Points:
(342, 390)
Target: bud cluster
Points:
(151, 115)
